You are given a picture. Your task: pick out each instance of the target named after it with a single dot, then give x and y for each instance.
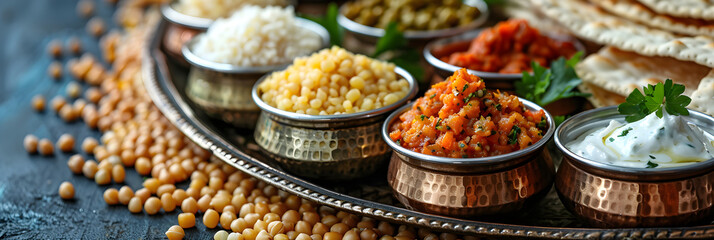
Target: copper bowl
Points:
(435, 50)
(369, 34)
(181, 29)
(223, 90)
(613, 196)
(334, 147)
(470, 187)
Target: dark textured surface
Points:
(30, 207)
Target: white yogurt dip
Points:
(648, 143)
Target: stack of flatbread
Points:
(645, 42)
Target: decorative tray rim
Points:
(154, 72)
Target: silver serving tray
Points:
(165, 82)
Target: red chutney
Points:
(459, 118)
(509, 47)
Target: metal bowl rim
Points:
(675, 172)
(483, 161)
(469, 36)
(197, 61)
(375, 32)
(413, 88)
(176, 17)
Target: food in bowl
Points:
(213, 9)
(257, 36)
(459, 118)
(510, 47)
(333, 81)
(658, 140)
(411, 15)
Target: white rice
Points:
(257, 36)
(214, 9)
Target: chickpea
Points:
(103, 177)
(96, 26)
(66, 142)
(221, 235)
(135, 205)
(152, 205)
(125, 194)
(189, 205)
(210, 218)
(55, 70)
(73, 90)
(118, 173)
(235, 236)
(66, 190)
(74, 45)
(30, 143)
(152, 184)
(187, 220)
(75, 163)
(45, 147)
(89, 144)
(142, 194)
(204, 203)
(89, 169)
(226, 219)
(175, 232)
(54, 48)
(85, 8)
(239, 225)
(38, 103)
(143, 166)
(179, 195)
(167, 202)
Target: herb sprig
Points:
(655, 97)
(545, 85)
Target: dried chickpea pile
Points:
(333, 81)
(136, 135)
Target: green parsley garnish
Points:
(669, 95)
(467, 98)
(513, 135)
(422, 117)
(462, 145)
(498, 106)
(438, 124)
(611, 139)
(465, 87)
(433, 95)
(652, 157)
(624, 132)
(651, 164)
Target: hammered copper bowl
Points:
(181, 29)
(370, 34)
(612, 196)
(470, 187)
(333, 147)
(435, 50)
(223, 90)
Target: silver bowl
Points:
(181, 29)
(343, 146)
(494, 80)
(223, 90)
(470, 187)
(610, 196)
(372, 34)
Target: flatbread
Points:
(599, 96)
(701, 9)
(621, 71)
(592, 23)
(526, 10)
(611, 74)
(635, 11)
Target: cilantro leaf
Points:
(651, 164)
(329, 22)
(401, 54)
(513, 135)
(545, 85)
(559, 119)
(655, 97)
(392, 39)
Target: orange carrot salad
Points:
(459, 118)
(509, 47)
